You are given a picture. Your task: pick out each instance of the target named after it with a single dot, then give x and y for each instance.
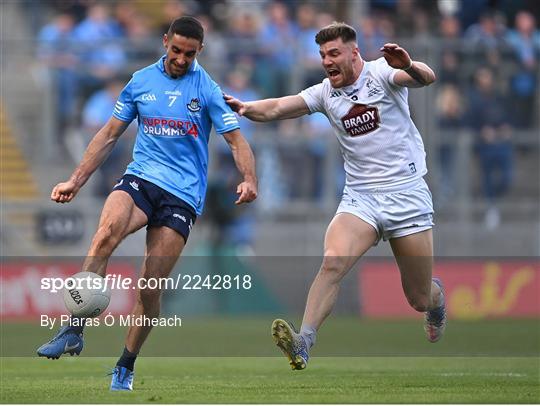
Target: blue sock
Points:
(76, 324)
(310, 335)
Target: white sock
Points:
(309, 334)
(440, 300)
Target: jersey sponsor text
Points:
(361, 120)
(169, 127)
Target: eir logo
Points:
(361, 120)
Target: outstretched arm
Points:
(245, 162)
(97, 151)
(413, 73)
(269, 109)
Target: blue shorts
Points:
(162, 208)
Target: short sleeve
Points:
(386, 72)
(313, 96)
(125, 108)
(223, 118)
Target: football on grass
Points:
(85, 295)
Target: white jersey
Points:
(379, 142)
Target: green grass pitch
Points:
(355, 361)
(268, 380)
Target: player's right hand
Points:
(236, 105)
(64, 192)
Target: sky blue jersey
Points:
(175, 117)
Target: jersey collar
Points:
(356, 85)
(161, 66)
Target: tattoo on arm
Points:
(413, 73)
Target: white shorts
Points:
(392, 213)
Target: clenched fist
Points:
(64, 192)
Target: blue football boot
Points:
(122, 379)
(435, 320)
(290, 343)
(64, 342)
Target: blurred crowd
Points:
(486, 55)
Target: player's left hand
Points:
(396, 56)
(247, 192)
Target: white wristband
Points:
(408, 67)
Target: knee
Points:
(420, 303)
(334, 265)
(106, 238)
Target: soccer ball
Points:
(85, 295)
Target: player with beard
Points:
(385, 195)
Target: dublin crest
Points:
(194, 105)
